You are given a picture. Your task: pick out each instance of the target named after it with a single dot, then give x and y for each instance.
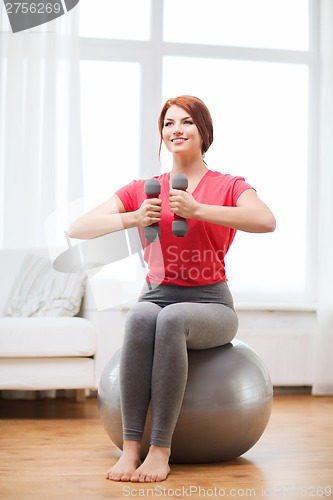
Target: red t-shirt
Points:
(197, 258)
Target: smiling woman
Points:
(186, 114)
(184, 304)
(180, 133)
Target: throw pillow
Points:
(39, 290)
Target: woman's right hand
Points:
(111, 216)
(150, 212)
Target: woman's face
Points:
(180, 134)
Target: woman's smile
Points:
(178, 140)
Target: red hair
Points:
(199, 114)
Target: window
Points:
(259, 23)
(256, 70)
(260, 130)
(125, 19)
(110, 129)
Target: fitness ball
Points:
(226, 406)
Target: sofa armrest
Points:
(109, 325)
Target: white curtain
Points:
(323, 374)
(40, 148)
(40, 145)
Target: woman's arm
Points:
(250, 214)
(111, 216)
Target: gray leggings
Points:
(159, 329)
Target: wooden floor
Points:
(58, 449)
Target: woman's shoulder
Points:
(224, 179)
(227, 187)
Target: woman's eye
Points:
(167, 124)
(188, 122)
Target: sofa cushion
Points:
(39, 290)
(47, 337)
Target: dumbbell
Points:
(179, 224)
(152, 189)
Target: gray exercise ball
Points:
(226, 407)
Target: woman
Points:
(185, 303)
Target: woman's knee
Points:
(143, 312)
(201, 325)
(141, 320)
(172, 319)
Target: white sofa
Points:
(38, 353)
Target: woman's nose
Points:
(178, 129)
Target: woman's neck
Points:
(192, 167)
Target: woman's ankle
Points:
(160, 449)
(131, 446)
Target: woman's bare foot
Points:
(155, 467)
(127, 463)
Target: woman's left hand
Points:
(183, 204)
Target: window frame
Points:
(149, 54)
